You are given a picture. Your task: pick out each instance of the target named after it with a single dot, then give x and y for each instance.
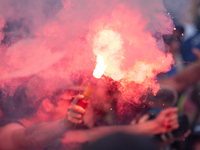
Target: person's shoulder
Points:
(6, 134)
(7, 130)
(11, 126)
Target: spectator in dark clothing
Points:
(122, 141)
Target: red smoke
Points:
(61, 43)
(142, 60)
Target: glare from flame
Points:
(100, 67)
(108, 44)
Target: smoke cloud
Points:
(180, 10)
(55, 38)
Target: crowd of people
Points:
(41, 113)
(48, 116)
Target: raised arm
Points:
(188, 76)
(167, 120)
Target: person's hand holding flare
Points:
(75, 112)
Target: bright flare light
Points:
(108, 44)
(100, 67)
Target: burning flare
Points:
(97, 73)
(100, 67)
(108, 44)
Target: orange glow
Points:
(140, 72)
(100, 67)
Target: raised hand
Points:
(75, 112)
(167, 120)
